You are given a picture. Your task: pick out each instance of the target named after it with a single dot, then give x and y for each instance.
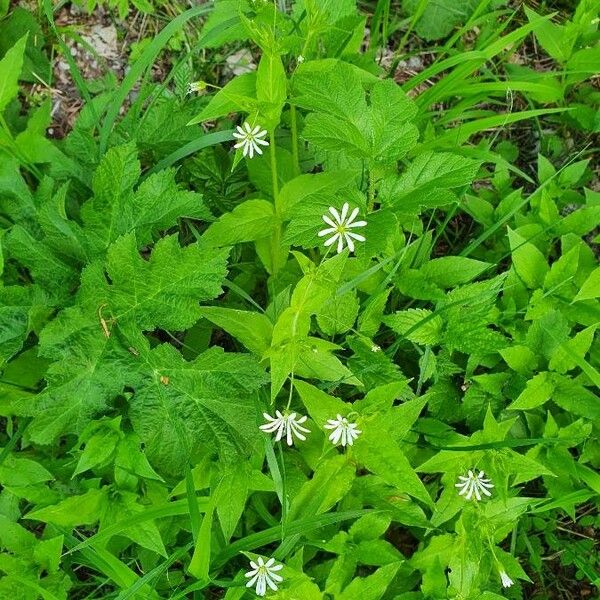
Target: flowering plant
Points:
(291, 314)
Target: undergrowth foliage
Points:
(305, 332)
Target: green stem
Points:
(276, 237)
(371, 190)
(274, 166)
(294, 124)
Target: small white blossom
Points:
(250, 139)
(342, 430)
(474, 484)
(264, 574)
(339, 228)
(375, 348)
(285, 425)
(300, 59)
(506, 580)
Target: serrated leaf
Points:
(179, 406)
(163, 291)
(416, 324)
(429, 181)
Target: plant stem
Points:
(273, 153)
(294, 124)
(371, 190)
(276, 237)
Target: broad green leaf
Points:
(372, 587)
(117, 208)
(321, 406)
(528, 261)
(239, 95)
(230, 496)
(552, 37)
(393, 135)
(379, 452)
(310, 186)
(271, 88)
(590, 288)
(429, 181)
(10, 70)
(537, 392)
(252, 329)
(249, 221)
(338, 314)
(179, 406)
(439, 17)
(450, 271)
(19, 472)
(163, 291)
(15, 305)
(75, 510)
(416, 324)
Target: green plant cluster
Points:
(164, 298)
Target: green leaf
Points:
(377, 450)
(311, 187)
(320, 406)
(163, 291)
(338, 314)
(271, 88)
(416, 324)
(249, 221)
(10, 69)
(429, 181)
(75, 510)
(372, 587)
(254, 330)
(528, 261)
(393, 135)
(551, 37)
(20, 472)
(230, 496)
(590, 288)
(537, 392)
(179, 406)
(439, 17)
(15, 305)
(117, 209)
(238, 95)
(450, 271)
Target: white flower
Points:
(287, 425)
(506, 580)
(264, 574)
(342, 429)
(474, 484)
(250, 139)
(339, 226)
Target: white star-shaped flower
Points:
(342, 430)
(339, 228)
(474, 484)
(250, 139)
(285, 425)
(264, 574)
(505, 579)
